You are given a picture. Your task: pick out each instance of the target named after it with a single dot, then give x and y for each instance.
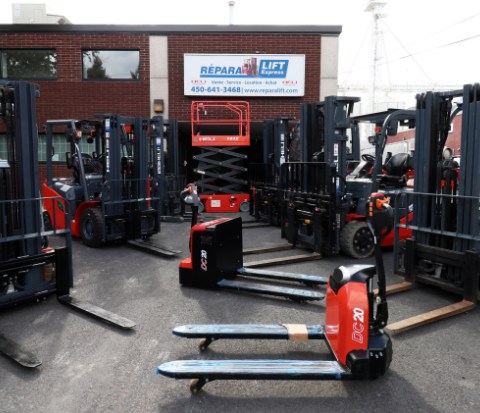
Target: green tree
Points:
(29, 64)
(95, 68)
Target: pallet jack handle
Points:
(380, 222)
(190, 196)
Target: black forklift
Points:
(115, 191)
(314, 186)
(354, 329)
(443, 249)
(29, 268)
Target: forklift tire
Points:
(47, 221)
(91, 227)
(356, 240)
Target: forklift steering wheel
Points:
(368, 158)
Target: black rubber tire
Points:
(150, 227)
(47, 221)
(244, 206)
(356, 240)
(91, 227)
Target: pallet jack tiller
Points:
(216, 260)
(353, 330)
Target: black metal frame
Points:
(221, 170)
(311, 206)
(21, 236)
(265, 193)
(173, 180)
(448, 220)
(439, 259)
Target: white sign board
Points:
(244, 75)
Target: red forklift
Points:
(114, 192)
(385, 172)
(29, 268)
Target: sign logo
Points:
(266, 68)
(358, 325)
(203, 260)
(244, 75)
(273, 68)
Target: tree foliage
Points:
(96, 69)
(29, 64)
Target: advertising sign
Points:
(244, 75)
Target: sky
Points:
(422, 44)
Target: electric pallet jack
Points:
(353, 330)
(216, 260)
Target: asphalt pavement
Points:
(89, 366)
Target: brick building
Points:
(70, 87)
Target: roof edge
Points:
(326, 30)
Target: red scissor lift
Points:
(221, 129)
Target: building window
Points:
(60, 147)
(28, 64)
(111, 64)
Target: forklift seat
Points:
(399, 164)
(396, 168)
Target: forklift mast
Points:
(311, 157)
(444, 247)
(277, 137)
(326, 131)
(28, 269)
(442, 250)
(125, 143)
(173, 179)
(264, 177)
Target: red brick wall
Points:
(454, 139)
(261, 108)
(71, 97)
(59, 169)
